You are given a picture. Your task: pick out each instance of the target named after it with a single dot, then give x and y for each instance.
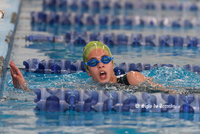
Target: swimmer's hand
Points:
(18, 79)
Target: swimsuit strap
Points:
(123, 80)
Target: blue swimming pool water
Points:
(25, 120)
(177, 77)
(122, 53)
(18, 114)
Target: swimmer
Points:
(99, 65)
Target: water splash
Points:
(178, 79)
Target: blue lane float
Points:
(49, 66)
(45, 38)
(62, 100)
(65, 18)
(125, 4)
(52, 66)
(133, 39)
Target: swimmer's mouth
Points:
(103, 75)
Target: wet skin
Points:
(104, 73)
(18, 79)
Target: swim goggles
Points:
(94, 62)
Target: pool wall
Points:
(7, 26)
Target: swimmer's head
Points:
(94, 45)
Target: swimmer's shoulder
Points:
(135, 78)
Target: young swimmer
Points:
(97, 58)
(99, 65)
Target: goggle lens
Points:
(94, 62)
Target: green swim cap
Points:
(94, 45)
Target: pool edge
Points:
(8, 40)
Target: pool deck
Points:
(7, 26)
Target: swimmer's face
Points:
(102, 73)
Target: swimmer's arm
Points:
(161, 87)
(17, 77)
(135, 78)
